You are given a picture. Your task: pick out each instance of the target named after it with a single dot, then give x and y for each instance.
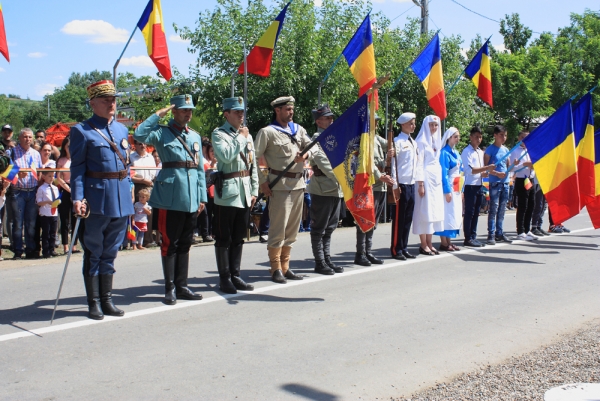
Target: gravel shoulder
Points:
(575, 358)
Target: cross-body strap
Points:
(111, 143)
(180, 139)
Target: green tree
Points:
(516, 35)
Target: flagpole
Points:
(245, 87)
(463, 71)
(119, 59)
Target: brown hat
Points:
(101, 89)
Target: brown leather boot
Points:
(285, 264)
(275, 260)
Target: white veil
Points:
(448, 134)
(425, 139)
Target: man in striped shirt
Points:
(22, 197)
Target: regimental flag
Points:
(3, 42)
(260, 57)
(360, 56)
(151, 25)
(346, 145)
(428, 68)
(11, 173)
(480, 72)
(583, 124)
(551, 147)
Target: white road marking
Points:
(269, 288)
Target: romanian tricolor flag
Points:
(260, 57)
(130, 230)
(33, 167)
(3, 42)
(428, 68)
(11, 173)
(151, 25)
(593, 207)
(480, 72)
(551, 147)
(346, 144)
(583, 124)
(360, 56)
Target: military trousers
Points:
(285, 212)
(177, 231)
(403, 219)
(100, 237)
(364, 241)
(229, 225)
(324, 217)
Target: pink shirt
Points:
(63, 162)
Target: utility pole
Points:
(424, 5)
(48, 107)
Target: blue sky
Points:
(50, 39)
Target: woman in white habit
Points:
(428, 216)
(450, 162)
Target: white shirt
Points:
(519, 170)
(472, 158)
(44, 193)
(404, 168)
(144, 161)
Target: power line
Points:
(403, 13)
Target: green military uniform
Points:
(364, 241)
(280, 145)
(179, 189)
(326, 200)
(238, 185)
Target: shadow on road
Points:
(269, 298)
(310, 393)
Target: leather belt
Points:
(317, 172)
(242, 173)
(107, 175)
(186, 164)
(287, 175)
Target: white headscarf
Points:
(448, 134)
(425, 139)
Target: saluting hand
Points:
(163, 112)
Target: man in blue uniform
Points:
(99, 173)
(234, 151)
(179, 192)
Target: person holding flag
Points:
(326, 196)
(47, 199)
(281, 143)
(524, 189)
(497, 154)
(22, 198)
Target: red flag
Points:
(3, 42)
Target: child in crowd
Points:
(140, 219)
(47, 198)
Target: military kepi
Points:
(283, 101)
(101, 89)
(233, 103)
(183, 102)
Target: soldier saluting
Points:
(235, 194)
(281, 143)
(179, 192)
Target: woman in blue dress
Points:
(450, 161)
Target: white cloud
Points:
(138, 61)
(501, 48)
(2, 69)
(36, 55)
(318, 3)
(45, 89)
(99, 31)
(178, 39)
(12, 44)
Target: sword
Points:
(73, 238)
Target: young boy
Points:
(47, 200)
(495, 154)
(140, 219)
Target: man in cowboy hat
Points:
(281, 143)
(179, 192)
(100, 174)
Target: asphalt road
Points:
(369, 333)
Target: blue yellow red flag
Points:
(360, 56)
(261, 56)
(480, 72)
(551, 147)
(11, 173)
(593, 207)
(428, 68)
(152, 27)
(346, 144)
(583, 124)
